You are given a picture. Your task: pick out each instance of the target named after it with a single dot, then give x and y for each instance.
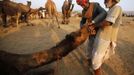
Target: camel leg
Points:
(63, 21)
(4, 20)
(26, 19)
(17, 19)
(50, 12)
(57, 21)
(64, 18)
(67, 17)
(67, 20)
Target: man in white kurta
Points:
(106, 38)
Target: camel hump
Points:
(50, 5)
(23, 8)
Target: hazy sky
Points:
(127, 5)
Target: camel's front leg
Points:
(17, 19)
(4, 20)
(64, 17)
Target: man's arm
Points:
(111, 17)
(101, 14)
(83, 21)
(105, 23)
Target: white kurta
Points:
(102, 48)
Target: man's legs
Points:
(88, 50)
(99, 52)
(88, 45)
(97, 71)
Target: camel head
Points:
(29, 3)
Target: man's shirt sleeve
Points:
(113, 14)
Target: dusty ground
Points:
(43, 35)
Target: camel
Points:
(34, 14)
(51, 9)
(6, 9)
(9, 8)
(19, 64)
(42, 13)
(25, 14)
(66, 11)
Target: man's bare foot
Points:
(97, 72)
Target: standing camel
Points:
(66, 11)
(24, 15)
(9, 8)
(51, 9)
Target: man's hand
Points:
(91, 28)
(105, 23)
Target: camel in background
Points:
(52, 11)
(9, 8)
(15, 10)
(24, 15)
(42, 13)
(66, 11)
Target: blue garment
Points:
(83, 20)
(99, 14)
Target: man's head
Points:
(110, 3)
(82, 3)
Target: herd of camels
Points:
(20, 64)
(19, 9)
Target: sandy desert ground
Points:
(43, 35)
